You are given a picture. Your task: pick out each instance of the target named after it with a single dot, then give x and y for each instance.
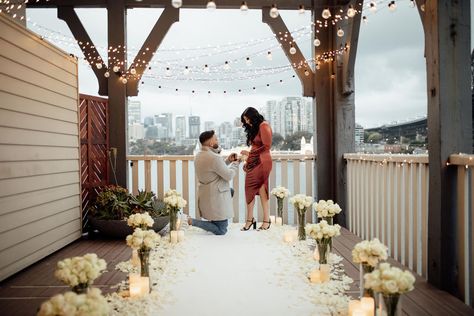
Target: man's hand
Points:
(232, 157)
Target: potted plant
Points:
(147, 202)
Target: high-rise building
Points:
(359, 134)
(224, 134)
(151, 132)
(134, 112)
(148, 121)
(209, 126)
(290, 115)
(194, 126)
(165, 121)
(136, 131)
(180, 132)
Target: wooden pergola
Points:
(447, 50)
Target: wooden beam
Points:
(447, 48)
(169, 16)
(117, 30)
(284, 37)
(68, 15)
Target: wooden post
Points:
(117, 30)
(447, 50)
(334, 106)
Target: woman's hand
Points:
(244, 153)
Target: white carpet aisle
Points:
(241, 273)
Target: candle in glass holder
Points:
(316, 254)
(135, 258)
(272, 219)
(134, 284)
(359, 312)
(353, 304)
(180, 235)
(178, 223)
(368, 305)
(144, 285)
(325, 272)
(279, 221)
(295, 235)
(315, 276)
(174, 236)
(288, 236)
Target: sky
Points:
(390, 66)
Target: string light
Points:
(106, 74)
(176, 3)
(116, 68)
(211, 5)
(372, 6)
(274, 11)
(206, 69)
(244, 7)
(301, 9)
(186, 71)
(326, 14)
(124, 80)
(306, 73)
(351, 12)
(340, 32)
(316, 42)
(248, 61)
(269, 56)
(168, 71)
(412, 4)
(292, 50)
(365, 20)
(226, 65)
(392, 6)
(99, 65)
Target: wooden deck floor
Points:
(23, 293)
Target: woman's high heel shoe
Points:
(265, 228)
(254, 225)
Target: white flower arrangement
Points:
(80, 270)
(280, 192)
(71, 304)
(326, 208)
(143, 239)
(301, 202)
(140, 220)
(323, 231)
(370, 252)
(173, 200)
(389, 280)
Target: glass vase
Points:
(301, 224)
(81, 288)
(280, 207)
(364, 269)
(329, 219)
(323, 249)
(391, 303)
(144, 255)
(173, 220)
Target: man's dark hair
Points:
(205, 136)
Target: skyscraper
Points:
(149, 121)
(209, 126)
(134, 112)
(194, 126)
(180, 132)
(165, 123)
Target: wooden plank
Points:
(134, 177)
(147, 171)
(384, 204)
(415, 206)
(350, 215)
(161, 180)
(296, 184)
(284, 181)
(273, 184)
(391, 219)
(37, 123)
(23, 185)
(185, 182)
(471, 223)
(309, 187)
(15, 136)
(384, 158)
(34, 168)
(461, 210)
(424, 216)
(172, 174)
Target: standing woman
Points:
(258, 166)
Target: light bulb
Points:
(248, 61)
(365, 19)
(269, 56)
(318, 66)
(133, 71)
(412, 4)
(422, 7)
(244, 8)
(206, 69)
(317, 42)
(226, 65)
(116, 68)
(274, 12)
(292, 50)
(306, 73)
(351, 12)
(106, 74)
(186, 71)
(340, 32)
(326, 13)
(211, 5)
(392, 6)
(168, 71)
(373, 6)
(99, 65)
(177, 3)
(301, 9)
(124, 80)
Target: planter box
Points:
(119, 229)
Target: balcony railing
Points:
(159, 173)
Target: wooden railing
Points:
(387, 198)
(160, 173)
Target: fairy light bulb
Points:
(301, 9)
(340, 32)
(274, 12)
(168, 71)
(124, 80)
(248, 61)
(318, 66)
(116, 68)
(326, 14)
(365, 20)
(211, 5)
(186, 70)
(373, 6)
(133, 71)
(99, 65)
(269, 56)
(226, 65)
(292, 50)
(206, 69)
(392, 6)
(106, 74)
(412, 4)
(351, 12)
(176, 3)
(306, 73)
(244, 7)
(317, 42)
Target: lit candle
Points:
(367, 304)
(279, 221)
(315, 276)
(174, 236)
(353, 304)
(134, 284)
(295, 235)
(325, 272)
(135, 258)
(272, 219)
(316, 254)
(180, 235)
(358, 312)
(144, 285)
(178, 223)
(288, 236)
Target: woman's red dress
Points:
(259, 163)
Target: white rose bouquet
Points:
(323, 233)
(143, 239)
(140, 220)
(326, 209)
(280, 193)
(369, 252)
(72, 304)
(389, 280)
(174, 202)
(301, 203)
(80, 272)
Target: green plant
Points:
(142, 202)
(112, 202)
(158, 208)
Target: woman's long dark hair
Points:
(256, 119)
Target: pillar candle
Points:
(135, 258)
(358, 312)
(294, 235)
(178, 223)
(180, 235)
(368, 305)
(174, 236)
(134, 284)
(272, 219)
(325, 272)
(144, 285)
(353, 304)
(288, 236)
(315, 276)
(279, 221)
